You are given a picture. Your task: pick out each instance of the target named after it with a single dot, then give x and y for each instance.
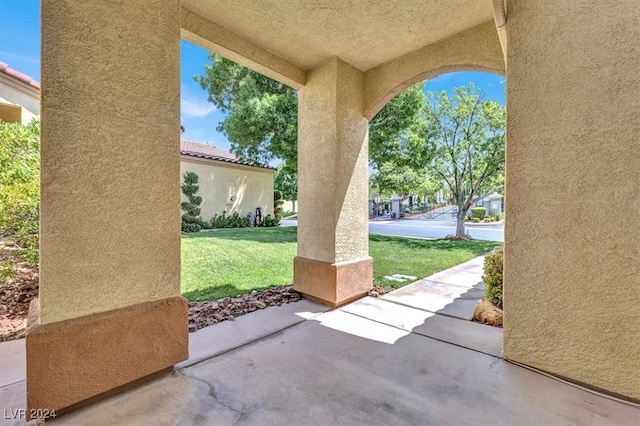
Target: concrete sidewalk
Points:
(410, 357)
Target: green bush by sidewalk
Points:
(492, 277)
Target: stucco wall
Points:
(476, 49)
(332, 165)
(572, 260)
(15, 93)
(251, 187)
(110, 222)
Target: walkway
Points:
(410, 357)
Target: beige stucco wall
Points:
(13, 92)
(290, 206)
(250, 187)
(572, 265)
(332, 165)
(110, 222)
(476, 49)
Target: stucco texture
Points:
(110, 210)
(250, 187)
(572, 268)
(332, 165)
(75, 360)
(476, 49)
(364, 34)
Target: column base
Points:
(333, 284)
(72, 362)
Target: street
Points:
(427, 229)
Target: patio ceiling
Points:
(290, 37)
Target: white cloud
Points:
(195, 107)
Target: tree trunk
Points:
(462, 212)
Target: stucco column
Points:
(333, 263)
(572, 268)
(109, 310)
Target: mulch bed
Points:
(203, 314)
(16, 293)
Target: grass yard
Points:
(230, 262)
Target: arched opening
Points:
(430, 213)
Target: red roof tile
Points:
(200, 150)
(4, 68)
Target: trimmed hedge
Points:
(191, 220)
(478, 212)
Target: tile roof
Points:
(4, 68)
(200, 150)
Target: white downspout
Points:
(500, 17)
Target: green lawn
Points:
(230, 262)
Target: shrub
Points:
(218, 221)
(20, 186)
(492, 277)
(232, 221)
(497, 216)
(235, 221)
(191, 220)
(476, 220)
(269, 221)
(478, 212)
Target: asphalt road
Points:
(427, 229)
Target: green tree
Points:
(287, 183)
(20, 185)
(262, 115)
(191, 220)
(398, 148)
(467, 136)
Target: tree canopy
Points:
(467, 135)
(262, 116)
(417, 143)
(287, 183)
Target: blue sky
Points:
(20, 48)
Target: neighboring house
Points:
(227, 183)
(19, 96)
(290, 206)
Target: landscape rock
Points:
(376, 292)
(487, 313)
(203, 314)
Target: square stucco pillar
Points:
(109, 310)
(572, 268)
(333, 263)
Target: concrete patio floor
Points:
(410, 357)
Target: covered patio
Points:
(110, 314)
(410, 357)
